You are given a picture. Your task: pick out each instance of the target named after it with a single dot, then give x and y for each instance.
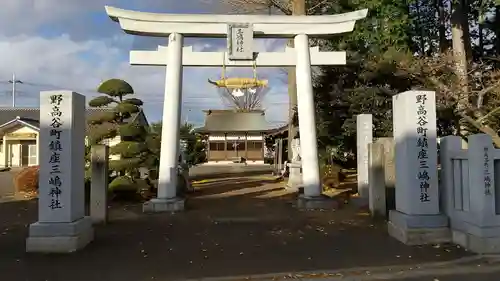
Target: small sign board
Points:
(240, 41)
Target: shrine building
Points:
(235, 136)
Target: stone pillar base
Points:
(418, 229)
(316, 203)
(475, 243)
(157, 205)
(59, 237)
(478, 239)
(294, 176)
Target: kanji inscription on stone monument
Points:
(422, 147)
(56, 148)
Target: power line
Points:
(9, 92)
(52, 86)
(42, 86)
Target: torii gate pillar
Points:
(307, 120)
(175, 56)
(169, 151)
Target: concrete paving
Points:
(231, 227)
(492, 276)
(484, 268)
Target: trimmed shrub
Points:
(27, 180)
(123, 184)
(331, 176)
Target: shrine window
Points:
(254, 145)
(216, 146)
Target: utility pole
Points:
(14, 81)
(298, 9)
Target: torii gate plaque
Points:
(240, 31)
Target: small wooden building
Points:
(234, 136)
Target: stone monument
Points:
(184, 166)
(295, 173)
(471, 192)
(389, 171)
(99, 183)
(389, 168)
(417, 218)
(377, 198)
(62, 226)
(364, 136)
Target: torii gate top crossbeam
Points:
(206, 25)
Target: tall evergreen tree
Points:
(367, 82)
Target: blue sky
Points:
(73, 45)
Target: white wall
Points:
(14, 145)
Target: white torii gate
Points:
(240, 31)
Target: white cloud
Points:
(25, 16)
(59, 63)
(63, 62)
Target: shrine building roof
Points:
(234, 121)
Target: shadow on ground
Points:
(233, 227)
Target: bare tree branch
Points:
(256, 6)
(484, 91)
(483, 128)
(488, 115)
(483, 84)
(313, 8)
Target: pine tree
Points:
(195, 150)
(119, 121)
